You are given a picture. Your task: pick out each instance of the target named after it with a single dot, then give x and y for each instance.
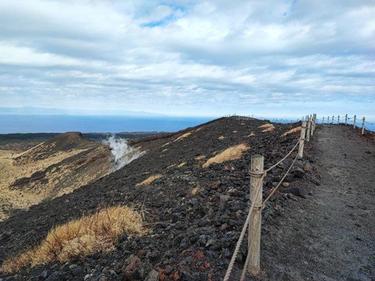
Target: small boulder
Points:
(285, 184)
(295, 191)
(55, 276)
(132, 268)
(298, 173)
(153, 275)
(307, 167)
(43, 275)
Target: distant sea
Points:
(104, 124)
(90, 124)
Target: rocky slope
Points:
(50, 169)
(193, 201)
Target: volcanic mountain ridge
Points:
(192, 189)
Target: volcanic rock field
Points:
(192, 190)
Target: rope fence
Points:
(363, 125)
(253, 219)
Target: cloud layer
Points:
(189, 57)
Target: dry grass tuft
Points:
(231, 153)
(181, 164)
(81, 237)
(251, 135)
(200, 157)
(149, 180)
(183, 136)
(171, 166)
(167, 143)
(267, 128)
(292, 131)
(195, 191)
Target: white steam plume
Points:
(122, 153)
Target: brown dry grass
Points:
(231, 153)
(200, 157)
(267, 128)
(183, 136)
(149, 180)
(292, 131)
(81, 237)
(167, 143)
(251, 135)
(181, 164)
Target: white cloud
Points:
(11, 54)
(185, 57)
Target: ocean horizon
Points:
(13, 123)
(10, 124)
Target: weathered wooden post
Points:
(314, 124)
(333, 119)
(256, 190)
(346, 119)
(363, 125)
(308, 132)
(338, 119)
(355, 118)
(328, 120)
(302, 140)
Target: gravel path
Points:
(330, 235)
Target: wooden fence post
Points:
(256, 189)
(328, 120)
(355, 118)
(323, 120)
(333, 119)
(308, 132)
(363, 125)
(314, 123)
(346, 119)
(302, 140)
(338, 119)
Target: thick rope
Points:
(240, 239)
(243, 231)
(243, 274)
(280, 182)
(286, 156)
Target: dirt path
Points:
(330, 235)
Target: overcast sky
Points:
(272, 58)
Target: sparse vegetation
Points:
(81, 237)
(149, 180)
(48, 170)
(251, 135)
(267, 128)
(181, 164)
(231, 153)
(292, 131)
(183, 136)
(200, 157)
